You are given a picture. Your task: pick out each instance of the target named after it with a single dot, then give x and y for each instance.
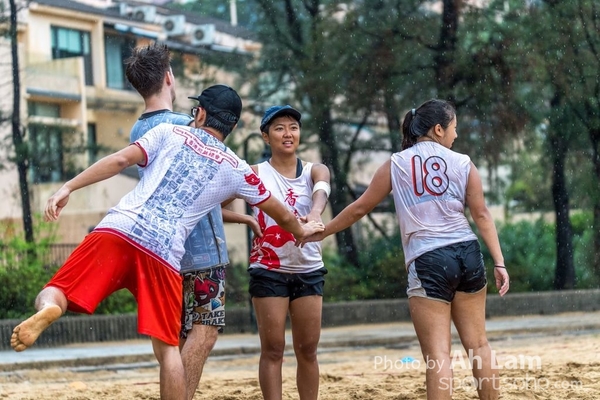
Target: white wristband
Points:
(322, 185)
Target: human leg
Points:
(271, 314)
(194, 353)
(157, 289)
(172, 374)
(75, 286)
(431, 319)
(202, 318)
(50, 304)
(158, 292)
(468, 314)
(305, 315)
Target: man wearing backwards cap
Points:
(139, 244)
(149, 72)
(204, 263)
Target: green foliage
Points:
(343, 281)
(381, 275)
(529, 250)
(24, 270)
(236, 285)
(582, 222)
(529, 254)
(246, 10)
(26, 267)
(22, 276)
(120, 302)
(383, 264)
(584, 258)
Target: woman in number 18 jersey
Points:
(431, 186)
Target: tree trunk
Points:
(445, 53)
(21, 153)
(564, 277)
(393, 122)
(596, 241)
(339, 197)
(595, 141)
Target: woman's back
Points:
(429, 183)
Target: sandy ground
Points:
(533, 367)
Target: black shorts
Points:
(267, 283)
(440, 273)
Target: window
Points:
(117, 49)
(46, 145)
(73, 43)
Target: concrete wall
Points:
(77, 329)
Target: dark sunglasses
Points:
(194, 111)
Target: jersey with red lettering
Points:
(187, 173)
(276, 249)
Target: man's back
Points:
(206, 245)
(188, 172)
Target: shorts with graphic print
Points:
(440, 273)
(203, 299)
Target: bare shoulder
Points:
(320, 172)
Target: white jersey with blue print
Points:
(429, 187)
(187, 173)
(206, 246)
(276, 250)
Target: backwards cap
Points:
(222, 103)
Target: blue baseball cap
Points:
(278, 111)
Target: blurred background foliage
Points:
(528, 248)
(523, 75)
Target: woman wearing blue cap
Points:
(285, 278)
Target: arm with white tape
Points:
(321, 190)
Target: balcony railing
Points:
(61, 78)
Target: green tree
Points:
(565, 36)
(579, 70)
(21, 153)
(298, 61)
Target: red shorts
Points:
(104, 263)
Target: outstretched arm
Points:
(285, 219)
(104, 168)
(486, 227)
(379, 188)
(320, 173)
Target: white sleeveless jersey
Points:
(276, 250)
(187, 173)
(429, 187)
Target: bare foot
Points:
(27, 332)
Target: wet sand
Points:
(539, 366)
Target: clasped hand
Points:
(313, 231)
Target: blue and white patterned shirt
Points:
(206, 246)
(187, 173)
